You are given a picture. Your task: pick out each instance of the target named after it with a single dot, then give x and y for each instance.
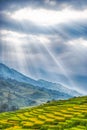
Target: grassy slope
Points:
(57, 115)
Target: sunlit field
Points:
(43, 64)
(56, 115)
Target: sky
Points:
(46, 39)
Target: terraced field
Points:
(56, 115)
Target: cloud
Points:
(27, 27)
(75, 29)
(45, 4)
(71, 52)
(66, 31)
(45, 39)
(75, 57)
(45, 17)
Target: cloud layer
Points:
(46, 39)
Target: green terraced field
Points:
(56, 115)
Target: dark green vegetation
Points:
(56, 115)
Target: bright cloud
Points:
(12, 33)
(19, 39)
(48, 17)
(78, 42)
(12, 37)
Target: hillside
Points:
(10, 73)
(25, 91)
(25, 94)
(56, 115)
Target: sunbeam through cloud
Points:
(46, 39)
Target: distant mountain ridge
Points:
(58, 87)
(25, 94)
(9, 73)
(25, 91)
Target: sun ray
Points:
(60, 65)
(37, 54)
(23, 62)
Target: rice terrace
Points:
(68, 114)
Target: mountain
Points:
(9, 73)
(23, 94)
(24, 91)
(57, 87)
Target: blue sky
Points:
(46, 39)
